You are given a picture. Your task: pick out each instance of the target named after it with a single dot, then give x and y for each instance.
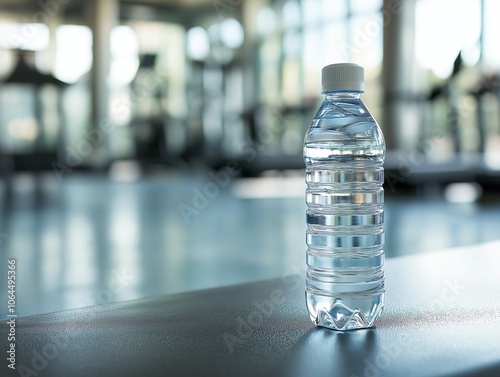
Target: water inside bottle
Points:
(345, 237)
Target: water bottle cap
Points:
(343, 76)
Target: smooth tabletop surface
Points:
(442, 318)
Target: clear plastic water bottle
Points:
(344, 151)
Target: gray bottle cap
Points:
(343, 76)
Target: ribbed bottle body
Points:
(344, 153)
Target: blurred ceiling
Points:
(160, 10)
(30, 5)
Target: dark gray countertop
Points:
(442, 318)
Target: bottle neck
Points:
(342, 94)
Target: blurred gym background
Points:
(161, 140)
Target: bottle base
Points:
(345, 313)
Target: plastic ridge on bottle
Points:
(344, 152)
